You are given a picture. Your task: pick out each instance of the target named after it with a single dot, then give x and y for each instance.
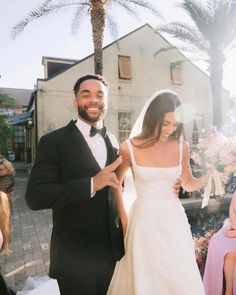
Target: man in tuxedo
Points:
(73, 173)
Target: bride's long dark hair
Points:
(163, 103)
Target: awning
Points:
(21, 118)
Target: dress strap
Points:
(131, 151)
(180, 150)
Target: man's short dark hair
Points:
(89, 77)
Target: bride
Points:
(160, 257)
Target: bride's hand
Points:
(176, 187)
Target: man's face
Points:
(91, 101)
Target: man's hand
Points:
(107, 176)
(231, 233)
(176, 187)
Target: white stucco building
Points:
(134, 73)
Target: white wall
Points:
(149, 73)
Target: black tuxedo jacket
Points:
(87, 233)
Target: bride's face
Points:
(169, 126)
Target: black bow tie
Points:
(102, 131)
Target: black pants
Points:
(96, 284)
(4, 289)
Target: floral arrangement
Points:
(216, 152)
(201, 247)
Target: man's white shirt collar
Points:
(83, 127)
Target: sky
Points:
(21, 59)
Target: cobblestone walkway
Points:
(30, 238)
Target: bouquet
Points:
(218, 153)
(201, 244)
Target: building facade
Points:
(21, 98)
(135, 66)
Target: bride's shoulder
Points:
(183, 141)
(124, 150)
(186, 146)
(124, 146)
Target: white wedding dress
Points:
(40, 286)
(160, 258)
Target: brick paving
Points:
(30, 237)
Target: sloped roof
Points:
(70, 60)
(117, 41)
(21, 118)
(21, 96)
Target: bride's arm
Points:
(188, 181)
(121, 172)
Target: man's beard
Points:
(83, 114)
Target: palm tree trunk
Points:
(98, 14)
(216, 77)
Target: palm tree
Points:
(97, 10)
(212, 32)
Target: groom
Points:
(72, 174)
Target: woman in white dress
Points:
(160, 257)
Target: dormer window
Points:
(53, 66)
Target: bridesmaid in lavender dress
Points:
(220, 275)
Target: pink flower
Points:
(201, 246)
(196, 157)
(216, 151)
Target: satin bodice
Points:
(154, 182)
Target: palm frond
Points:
(146, 5)
(230, 24)
(112, 26)
(48, 7)
(78, 16)
(130, 5)
(199, 14)
(164, 49)
(186, 33)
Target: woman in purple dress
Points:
(220, 271)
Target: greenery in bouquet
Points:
(216, 152)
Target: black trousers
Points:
(96, 284)
(4, 289)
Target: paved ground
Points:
(31, 232)
(30, 237)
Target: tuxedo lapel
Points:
(107, 194)
(82, 146)
(111, 151)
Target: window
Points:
(176, 73)
(124, 67)
(124, 125)
(19, 141)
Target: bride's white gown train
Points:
(160, 258)
(40, 286)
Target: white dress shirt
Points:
(96, 144)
